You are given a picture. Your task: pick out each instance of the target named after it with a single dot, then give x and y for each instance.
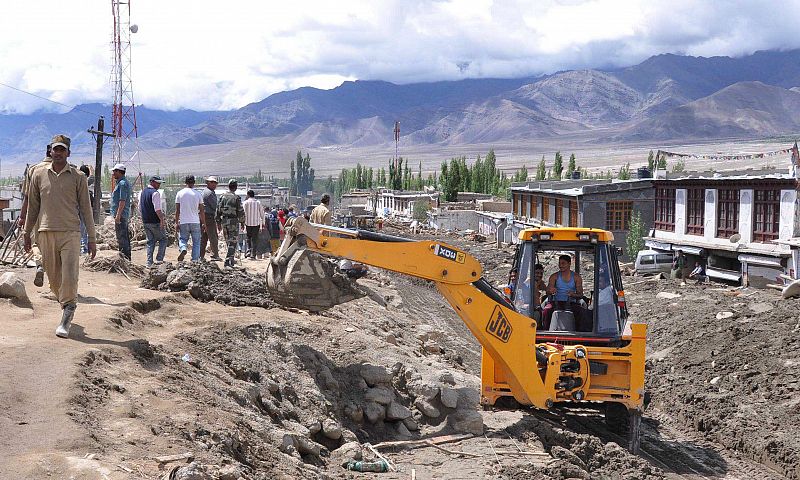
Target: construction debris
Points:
(12, 249)
(115, 264)
(207, 282)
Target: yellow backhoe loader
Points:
(535, 353)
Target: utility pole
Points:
(99, 134)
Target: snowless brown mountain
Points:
(665, 97)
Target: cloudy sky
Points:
(224, 54)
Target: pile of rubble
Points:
(207, 282)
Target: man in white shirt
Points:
(189, 219)
(254, 221)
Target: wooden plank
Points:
(435, 440)
(174, 458)
(453, 452)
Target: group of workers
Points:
(57, 216)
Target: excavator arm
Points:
(537, 375)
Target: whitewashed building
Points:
(741, 222)
(398, 203)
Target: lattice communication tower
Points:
(123, 111)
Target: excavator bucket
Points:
(304, 279)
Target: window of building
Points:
(618, 214)
(559, 211)
(531, 206)
(767, 213)
(695, 210)
(573, 213)
(727, 212)
(518, 205)
(545, 209)
(665, 209)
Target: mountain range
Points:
(666, 97)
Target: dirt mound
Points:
(207, 282)
(724, 362)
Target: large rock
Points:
(11, 286)
(449, 397)
(396, 411)
(380, 394)
(374, 412)
(375, 375)
(467, 421)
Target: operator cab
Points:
(568, 280)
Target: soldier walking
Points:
(230, 214)
(209, 236)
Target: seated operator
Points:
(566, 287)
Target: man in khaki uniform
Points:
(55, 195)
(322, 213)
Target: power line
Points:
(73, 107)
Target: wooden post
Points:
(98, 166)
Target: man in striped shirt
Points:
(254, 221)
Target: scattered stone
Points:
(427, 408)
(315, 428)
(447, 377)
(568, 456)
(397, 411)
(273, 386)
(402, 430)
(759, 308)
(390, 338)
(193, 471)
(432, 347)
(423, 389)
(354, 413)
(331, 429)
(724, 315)
(380, 394)
(374, 412)
(667, 295)
(347, 452)
(179, 279)
(11, 286)
(715, 380)
(375, 375)
(411, 424)
(449, 397)
(292, 442)
(229, 472)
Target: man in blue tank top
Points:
(566, 288)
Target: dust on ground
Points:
(207, 365)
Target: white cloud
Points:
(220, 55)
